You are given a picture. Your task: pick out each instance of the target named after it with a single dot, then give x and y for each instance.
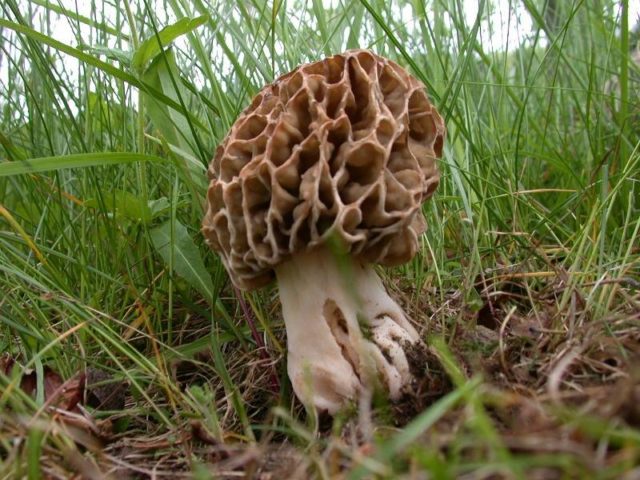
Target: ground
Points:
(545, 399)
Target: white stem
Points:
(327, 301)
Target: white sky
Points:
(509, 22)
(505, 25)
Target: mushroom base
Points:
(344, 332)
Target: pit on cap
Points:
(345, 146)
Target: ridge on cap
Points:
(345, 147)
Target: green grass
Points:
(527, 285)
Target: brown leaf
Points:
(57, 392)
(28, 382)
(6, 364)
(66, 395)
(52, 385)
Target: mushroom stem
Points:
(344, 332)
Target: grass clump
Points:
(527, 283)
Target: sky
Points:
(508, 18)
(509, 21)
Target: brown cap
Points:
(342, 147)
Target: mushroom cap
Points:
(344, 147)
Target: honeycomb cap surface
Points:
(344, 147)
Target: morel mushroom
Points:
(337, 152)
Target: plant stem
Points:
(623, 114)
(275, 383)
